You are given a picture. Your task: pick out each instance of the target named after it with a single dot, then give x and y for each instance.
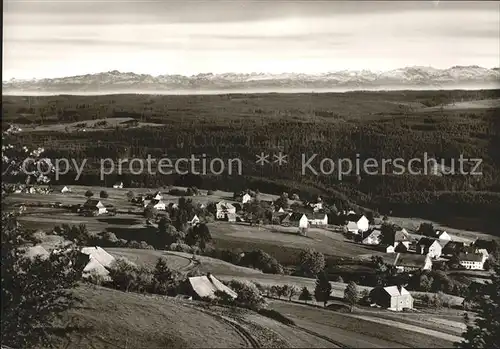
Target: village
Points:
(407, 252)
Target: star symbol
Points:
(262, 159)
(280, 158)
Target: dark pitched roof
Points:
(427, 242)
(453, 246)
(354, 217)
(296, 216)
(317, 215)
(91, 203)
(401, 248)
(401, 235)
(470, 257)
(486, 244)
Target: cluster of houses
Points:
(12, 129)
(26, 189)
(420, 254)
(151, 200)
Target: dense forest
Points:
(379, 125)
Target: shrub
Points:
(123, 274)
(180, 247)
(103, 194)
(109, 239)
(261, 260)
(143, 245)
(89, 194)
(165, 281)
(223, 298)
(133, 244)
(305, 295)
(248, 294)
(144, 280)
(96, 278)
(311, 262)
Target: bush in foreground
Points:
(248, 294)
(34, 291)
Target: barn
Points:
(201, 287)
(392, 297)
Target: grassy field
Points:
(285, 243)
(384, 334)
(115, 319)
(120, 320)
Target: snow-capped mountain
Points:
(404, 78)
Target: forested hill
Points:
(380, 125)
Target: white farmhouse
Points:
(357, 223)
(194, 220)
(95, 206)
(373, 238)
(62, 189)
(442, 235)
(118, 185)
(223, 209)
(473, 261)
(299, 219)
(429, 247)
(318, 219)
(246, 198)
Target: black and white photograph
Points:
(250, 174)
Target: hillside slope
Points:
(115, 319)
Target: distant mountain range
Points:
(458, 77)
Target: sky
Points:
(47, 39)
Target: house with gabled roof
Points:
(442, 235)
(357, 223)
(206, 286)
(489, 245)
(453, 248)
(153, 196)
(473, 261)
(98, 263)
(194, 220)
(429, 247)
(94, 206)
(395, 298)
(409, 262)
(318, 219)
(297, 219)
(118, 185)
(401, 236)
(246, 198)
(223, 209)
(61, 189)
(438, 234)
(372, 237)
